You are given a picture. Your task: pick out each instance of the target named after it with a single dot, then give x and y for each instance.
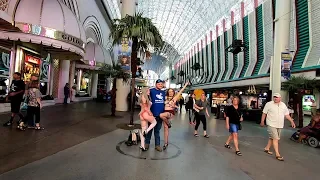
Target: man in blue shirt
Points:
(157, 98)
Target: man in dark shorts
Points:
(15, 97)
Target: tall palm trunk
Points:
(297, 106)
(113, 97)
(300, 111)
(133, 79)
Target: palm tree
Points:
(143, 33)
(296, 86)
(115, 72)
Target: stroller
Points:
(312, 139)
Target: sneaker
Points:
(9, 123)
(158, 148)
(146, 146)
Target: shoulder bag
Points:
(240, 126)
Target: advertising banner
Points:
(31, 66)
(124, 53)
(286, 64)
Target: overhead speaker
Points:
(237, 43)
(235, 50)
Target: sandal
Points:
(165, 146)
(238, 153)
(143, 149)
(268, 151)
(206, 136)
(22, 128)
(227, 146)
(196, 135)
(169, 124)
(279, 158)
(38, 128)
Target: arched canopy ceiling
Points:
(157, 64)
(183, 22)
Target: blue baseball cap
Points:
(159, 81)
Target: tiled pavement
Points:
(79, 143)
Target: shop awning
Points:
(50, 23)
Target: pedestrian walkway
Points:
(99, 152)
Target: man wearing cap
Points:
(275, 111)
(157, 98)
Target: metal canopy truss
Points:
(183, 22)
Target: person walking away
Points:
(34, 106)
(157, 96)
(34, 77)
(290, 107)
(275, 111)
(189, 108)
(201, 105)
(233, 120)
(15, 97)
(66, 90)
(181, 103)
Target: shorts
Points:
(15, 106)
(233, 128)
(274, 133)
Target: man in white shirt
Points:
(275, 111)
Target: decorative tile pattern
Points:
(55, 84)
(4, 5)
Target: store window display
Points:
(44, 74)
(31, 66)
(4, 74)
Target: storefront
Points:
(40, 45)
(86, 77)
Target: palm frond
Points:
(138, 27)
(299, 82)
(115, 70)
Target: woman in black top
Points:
(190, 109)
(233, 119)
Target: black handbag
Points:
(239, 125)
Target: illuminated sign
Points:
(32, 59)
(50, 33)
(286, 56)
(92, 63)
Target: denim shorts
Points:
(233, 128)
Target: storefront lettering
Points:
(71, 39)
(50, 33)
(32, 60)
(36, 30)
